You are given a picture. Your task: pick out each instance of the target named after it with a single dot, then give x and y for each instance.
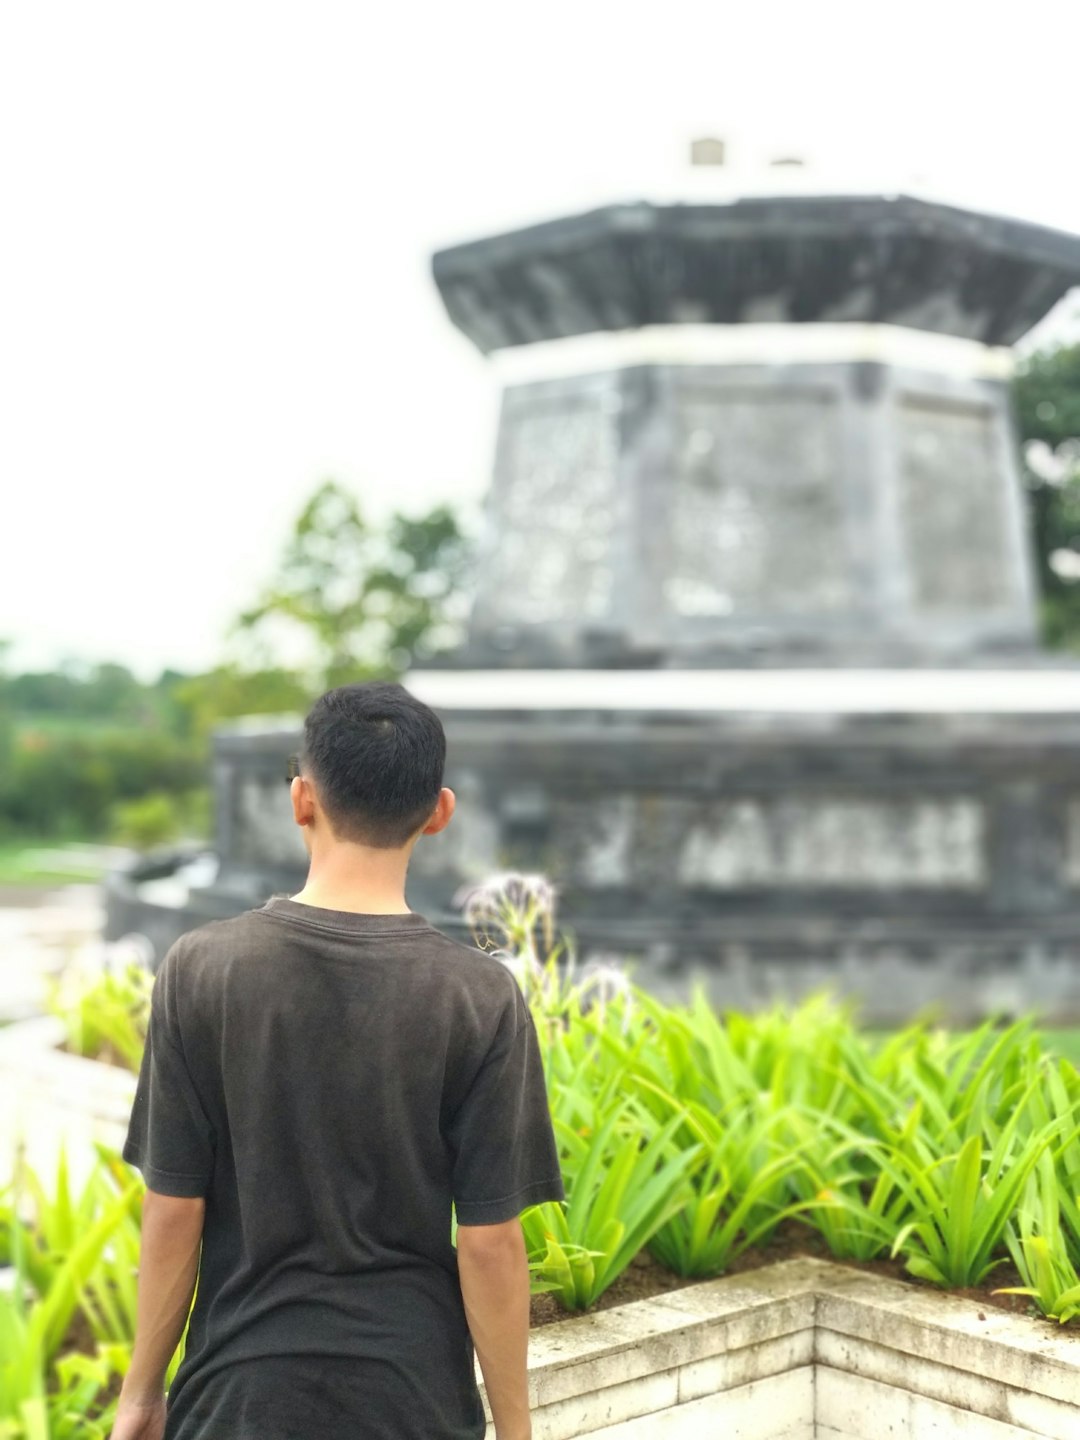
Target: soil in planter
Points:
(80, 1337)
(645, 1277)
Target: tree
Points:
(364, 603)
(112, 691)
(66, 784)
(1047, 392)
(227, 691)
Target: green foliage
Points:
(23, 863)
(101, 692)
(106, 1017)
(67, 784)
(202, 702)
(64, 1261)
(1047, 394)
(1038, 1249)
(78, 1407)
(1047, 391)
(60, 1220)
(732, 1203)
(964, 1201)
(157, 817)
(73, 774)
(1059, 1099)
(75, 1257)
(363, 602)
(1050, 1278)
(624, 1181)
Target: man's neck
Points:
(357, 879)
(354, 901)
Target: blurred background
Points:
(246, 453)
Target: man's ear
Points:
(440, 816)
(302, 804)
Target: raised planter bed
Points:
(804, 1350)
(60, 1100)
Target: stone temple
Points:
(752, 670)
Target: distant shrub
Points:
(158, 817)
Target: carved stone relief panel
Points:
(755, 842)
(953, 509)
(1072, 842)
(553, 514)
(593, 838)
(468, 848)
(922, 843)
(757, 510)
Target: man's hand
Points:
(168, 1265)
(139, 1420)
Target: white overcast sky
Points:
(217, 221)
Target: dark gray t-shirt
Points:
(330, 1082)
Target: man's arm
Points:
(172, 1227)
(493, 1270)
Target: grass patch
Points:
(30, 863)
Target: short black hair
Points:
(376, 756)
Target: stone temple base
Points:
(907, 838)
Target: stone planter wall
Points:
(59, 1100)
(805, 1350)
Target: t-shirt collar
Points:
(349, 922)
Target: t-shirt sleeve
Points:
(170, 1138)
(501, 1138)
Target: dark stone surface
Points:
(129, 910)
(704, 515)
(789, 259)
(902, 860)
